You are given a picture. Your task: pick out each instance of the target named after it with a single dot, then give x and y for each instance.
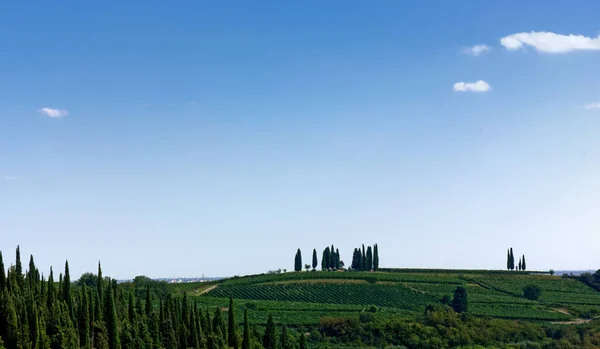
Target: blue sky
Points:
(160, 139)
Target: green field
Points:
(304, 298)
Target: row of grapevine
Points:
(372, 277)
(395, 296)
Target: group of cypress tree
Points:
(510, 261)
(331, 259)
(36, 313)
(365, 260)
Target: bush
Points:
(532, 292)
(373, 309)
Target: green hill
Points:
(305, 297)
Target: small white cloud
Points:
(476, 50)
(479, 86)
(10, 178)
(592, 106)
(548, 42)
(53, 113)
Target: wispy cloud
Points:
(549, 42)
(53, 113)
(478, 86)
(476, 50)
(591, 106)
(10, 178)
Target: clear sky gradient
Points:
(219, 137)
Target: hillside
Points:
(298, 298)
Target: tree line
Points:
(331, 260)
(510, 261)
(95, 312)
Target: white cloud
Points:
(592, 106)
(476, 50)
(548, 42)
(10, 178)
(53, 113)
(479, 86)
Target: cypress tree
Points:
(324, 260)
(363, 261)
(315, 262)
(331, 257)
(337, 258)
(67, 286)
(18, 265)
(34, 328)
(60, 293)
(148, 304)
(512, 260)
(112, 321)
(12, 332)
(376, 258)
(524, 265)
(285, 339)
(460, 302)
(270, 337)
(233, 340)
(302, 341)
(219, 326)
(2, 275)
(31, 275)
(84, 320)
(508, 259)
(246, 340)
(520, 265)
(100, 286)
(131, 308)
(369, 258)
(50, 298)
(298, 261)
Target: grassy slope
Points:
(305, 297)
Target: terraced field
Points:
(305, 297)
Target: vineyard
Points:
(386, 295)
(305, 297)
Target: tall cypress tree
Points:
(332, 257)
(84, 320)
(520, 265)
(270, 337)
(315, 262)
(67, 286)
(50, 297)
(298, 261)
(302, 344)
(233, 338)
(34, 328)
(337, 258)
(18, 265)
(285, 339)
(100, 286)
(324, 259)
(2, 275)
(112, 321)
(376, 258)
(363, 261)
(246, 340)
(524, 265)
(512, 260)
(369, 258)
(508, 259)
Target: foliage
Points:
(532, 292)
(459, 301)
